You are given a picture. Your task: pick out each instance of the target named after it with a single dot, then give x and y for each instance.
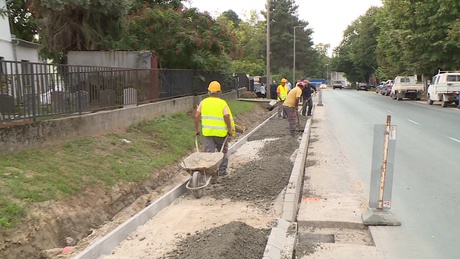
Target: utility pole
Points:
(268, 83)
(293, 65)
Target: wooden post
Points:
(384, 164)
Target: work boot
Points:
(222, 172)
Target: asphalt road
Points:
(426, 185)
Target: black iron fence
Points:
(33, 90)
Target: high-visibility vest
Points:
(212, 118)
(283, 92)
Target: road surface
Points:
(426, 187)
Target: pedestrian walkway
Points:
(329, 218)
(328, 222)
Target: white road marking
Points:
(454, 139)
(413, 121)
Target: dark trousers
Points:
(292, 116)
(309, 103)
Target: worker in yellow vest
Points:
(217, 124)
(282, 92)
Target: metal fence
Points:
(34, 90)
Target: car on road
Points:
(444, 88)
(379, 88)
(406, 87)
(362, 86)
(387, 88)
(337, 84)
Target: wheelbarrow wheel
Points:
(197, 181)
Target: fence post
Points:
(32, 85)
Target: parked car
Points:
(379, 88)
(258, 89)
(387, 88)
(362, 86)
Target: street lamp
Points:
(293, 63)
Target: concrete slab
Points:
(344, 208)
(379, 218)
(327, 251)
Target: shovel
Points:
(298, 123)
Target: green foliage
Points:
(23, 24)
(419, 37)
(283, 18)
(356, 54)
(233, 17)
(179, 38)
(72, 25)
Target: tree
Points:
(137, 5)
(67, 25)
(23, 24)
(233, 17)
(283, 18)
(250, 37)
(356, 54)
(423, 35)
(180, 38)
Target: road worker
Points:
(282, 92)
(217, 124)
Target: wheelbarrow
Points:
(201, 166)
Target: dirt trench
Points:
(234, 217)
(76, 222)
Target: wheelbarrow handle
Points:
(221, 149)
(223, 144)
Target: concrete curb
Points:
(292, 195)
(106, 244)
(282, 240)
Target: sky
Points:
(327, 18)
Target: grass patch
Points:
(238, 107)
(57, 172)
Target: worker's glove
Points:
(197, 133)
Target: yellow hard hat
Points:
(214, 86)
(284, 80)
